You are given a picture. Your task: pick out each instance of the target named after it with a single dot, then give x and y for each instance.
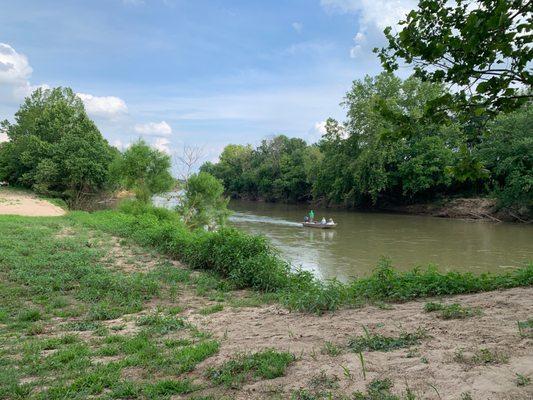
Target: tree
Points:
(203, 203)
(55, 149)
(481, 47)
(507, 152)
(144, 170)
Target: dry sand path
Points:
(13, 202)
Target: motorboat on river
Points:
(318, 225)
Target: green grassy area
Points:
(59, 293)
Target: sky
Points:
(195, 72)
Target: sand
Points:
(426, 369)
(20, 203)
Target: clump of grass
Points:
(161, 324)
(481, 356)
(83, 326)
(267, 364)
(380, 389)
(525, 328)
(166, 388)
(30, 315)
(324, 381)
(522, 380)
(452, 311)
(211, 309)
(377, 342)
(331, 349)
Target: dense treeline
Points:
(375, 158)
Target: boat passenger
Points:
(330, 222)
(311, 216)
(306, 219)
(323, 222)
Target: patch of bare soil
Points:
(424, 368)
(19, 203)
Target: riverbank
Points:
(473, 208)
(86, 313)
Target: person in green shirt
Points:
(311, 215)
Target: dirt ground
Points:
(430, 369)
(20, 203)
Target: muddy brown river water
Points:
(361, 239)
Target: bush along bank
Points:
(249, 261)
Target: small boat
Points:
(318, 225)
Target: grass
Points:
(525, 328)
(377, 342)
(452, 311)
(481, 356)
(58, 291)
(380, 389)
(331, 349)
(211, 309)
(267, 364)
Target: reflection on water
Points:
(361, 239)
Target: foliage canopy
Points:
(482, 47)
(54, 148)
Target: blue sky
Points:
(204, 73)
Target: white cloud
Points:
(162, 144)
(105, 106)
(15, 72)
(298, 27)
(154, 129)
(315, 133)
(373, 17)
(14, 67)
(119, 144)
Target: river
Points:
(361, 239)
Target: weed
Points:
(452, 311)
(346, 372)
(525, 328)
(211, 309)
(267, 364)
(522, 380)
(480, 357)
(30, 315)
(166, 388)
(378, 342)
(161, 324)
(331, 349)
(324, 381)
(380, 389)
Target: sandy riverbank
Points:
(15, 202)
